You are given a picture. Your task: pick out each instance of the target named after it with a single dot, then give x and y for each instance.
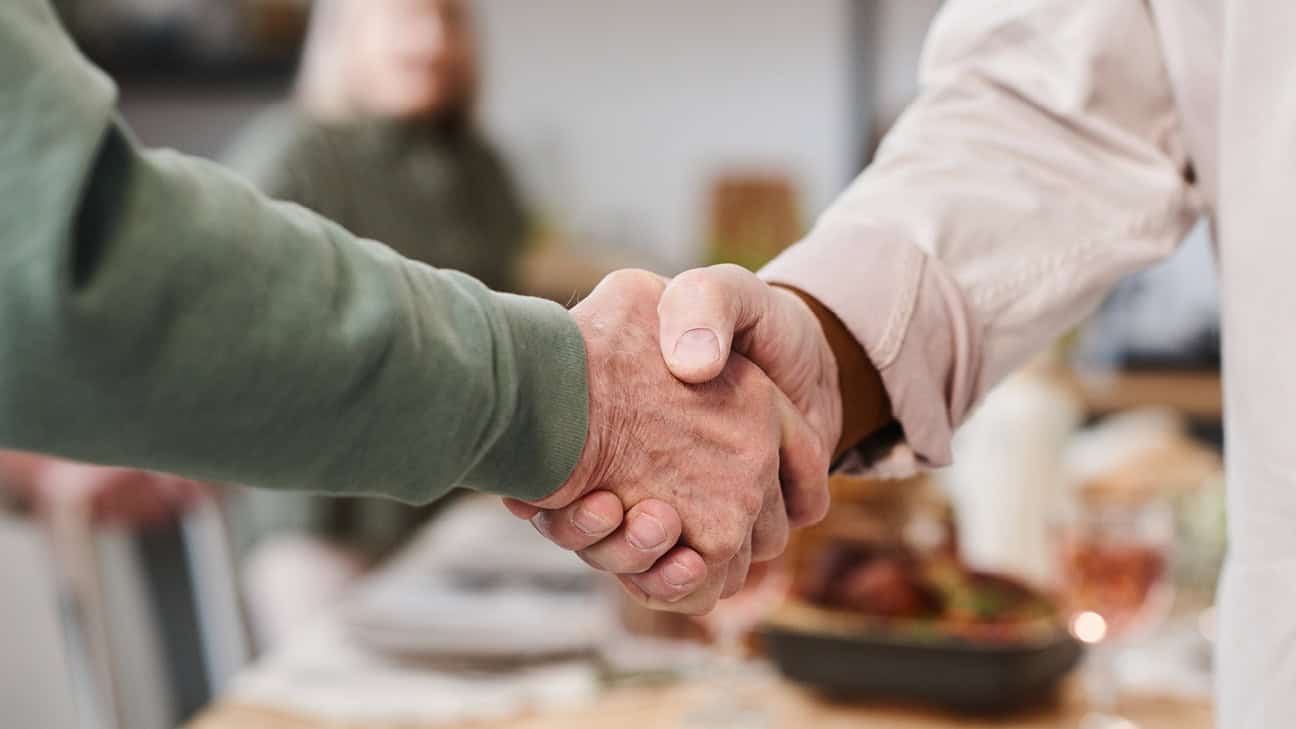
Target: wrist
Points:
(540, 424)
(865, 407)
(825, 409)
(598, 415)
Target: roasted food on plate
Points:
(881, 606)
(892, 589)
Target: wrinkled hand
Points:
(680, 486)
(708, 312)
(704, 315)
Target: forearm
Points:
(866, 407)
(1024, 182)
(157, 312)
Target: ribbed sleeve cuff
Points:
(542, 442)
(908, 315)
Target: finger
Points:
(582, 523)
(651, 529)
(678, 583)
(699, 314)
(521, 509)
(803, 468)
(736, 575)
(770, 534)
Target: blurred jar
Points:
(1008, 472)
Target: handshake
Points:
(713, 414)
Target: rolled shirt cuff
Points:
(912, 320)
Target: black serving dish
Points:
(946, 671)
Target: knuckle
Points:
(730, 524)
(634, 279)
(732, 544)
(751, 501)
(731, 269)
(702, 286)
(693, 278)
(720, 547)
(659, 510)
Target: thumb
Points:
(701, 312)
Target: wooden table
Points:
(1195, 394)
(794, 708)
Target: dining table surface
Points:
(664, 707)
(325, 675)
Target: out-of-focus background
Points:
(539, 145)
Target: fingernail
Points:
(589, 523)
(677, 575)
(541, 523)
(697, 348)
(645, 533)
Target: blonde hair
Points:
(323, 78)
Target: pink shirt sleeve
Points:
(1041, 163)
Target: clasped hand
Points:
(714, 408)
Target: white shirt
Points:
(1058, 145)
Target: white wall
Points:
(619, 112)
(902, 28)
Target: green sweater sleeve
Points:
(157, 312)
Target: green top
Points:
(156, 311)
(432, 190)
(435, 192)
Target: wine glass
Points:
(733, 699)
(1115, 569)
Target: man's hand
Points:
(706, 465)
(708, 312)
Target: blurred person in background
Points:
(380, 138)
(105, 495)
(148, 508)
